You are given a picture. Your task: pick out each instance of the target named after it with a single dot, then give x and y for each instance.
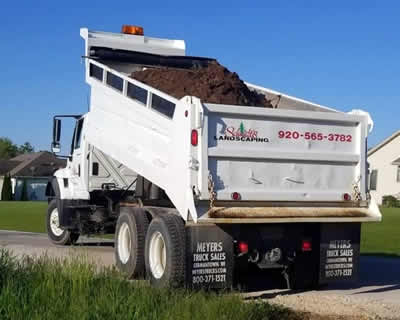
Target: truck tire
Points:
(130, 236)
(166, 251)
(56, 234)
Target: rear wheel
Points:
(165, 251)
(56, 234)
(130, 235)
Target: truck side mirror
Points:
(55, 146)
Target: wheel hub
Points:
(157, 255)
(124, 243)
(55, 223)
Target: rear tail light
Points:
(346, 197)
(236, 196)
(194, 138)
(306, 245)
(243, 247)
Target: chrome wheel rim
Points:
(157, 255)
(55, 223)
(124, 243)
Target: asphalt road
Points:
(100, 251)
(379, 276)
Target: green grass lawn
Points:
(376, 238)
(382, 238)
(46, 288)
(23, 216)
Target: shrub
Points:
(390, 202)
(6, 192)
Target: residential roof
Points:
(27, 156)
(7, 165)
(396, 162)
(383, 143)
(33, 164)
(24, 161)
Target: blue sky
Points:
(340, 54)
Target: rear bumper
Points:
(292, 214)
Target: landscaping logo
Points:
(241, 134)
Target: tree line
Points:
(8, 149)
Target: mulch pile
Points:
(212, 84)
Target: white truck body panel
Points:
(109, 171)
(245, 149)
(131, 42)
(262, 165)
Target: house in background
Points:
(5, 167)
(35, 169)
(384, 166)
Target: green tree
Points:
(7, 149)
(6, 192)
(10, 150)
(24, 191)
(25, 148)
(390, 202)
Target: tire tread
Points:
(67, 238)
(174, 227)
(134, 268)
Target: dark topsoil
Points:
(212, 84)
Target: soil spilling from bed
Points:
(212, 84)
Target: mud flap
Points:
(339, 252)
(210, 257)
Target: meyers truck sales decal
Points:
(340, 251)
(209, 257)
(339, 259)
(209, 263)
(241, 134)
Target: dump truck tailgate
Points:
(273, 155)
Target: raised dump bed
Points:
(198, 192)
(301, 158)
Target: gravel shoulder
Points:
(337, 306)
(375, 296)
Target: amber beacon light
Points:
(128, 29)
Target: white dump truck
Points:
(198, 193)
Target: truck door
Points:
(79, 168)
